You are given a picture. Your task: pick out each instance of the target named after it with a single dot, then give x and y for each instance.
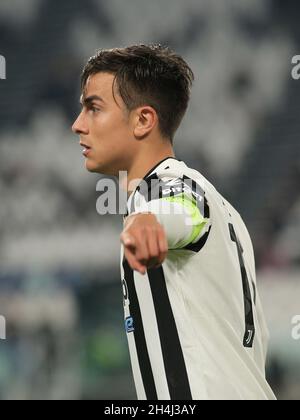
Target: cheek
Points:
(106, 123)
(111, 130)
(120, 132)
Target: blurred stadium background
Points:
(59, 260)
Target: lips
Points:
(86, 149)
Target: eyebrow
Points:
(90, 99)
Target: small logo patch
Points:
(129, 324)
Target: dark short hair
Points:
(147, 75)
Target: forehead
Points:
(100, 84)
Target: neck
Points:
(143, 164)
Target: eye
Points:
(94, 109)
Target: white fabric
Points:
(205, 290)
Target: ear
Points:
(145, 120)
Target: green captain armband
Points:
(197, 221)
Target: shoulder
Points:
(173, 178)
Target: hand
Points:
(145, 242)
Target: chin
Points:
(91, 166)
(97, 168)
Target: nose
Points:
(79, 127)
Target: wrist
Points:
(139, 214)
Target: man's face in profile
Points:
(104, 127)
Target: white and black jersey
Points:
(195, 325)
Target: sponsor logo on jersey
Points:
(129, 327)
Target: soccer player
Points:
(193, 317)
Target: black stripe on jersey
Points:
(206, 209)
(151, 188)
(139, 335)
(198, 192)
(197, 246)
(249, 317)
(177, 377)
(254, 291)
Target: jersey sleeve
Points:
(180, 207)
